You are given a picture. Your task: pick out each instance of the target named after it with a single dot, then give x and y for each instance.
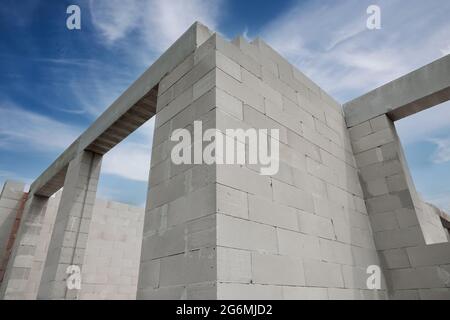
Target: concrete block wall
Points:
(10, 197)
(413, 246)
(21, 260)
(342, 200)
(42, 244)
(431, 216)
(443, 217)
(69, 237)
(111, 263)
(303, 233)
(178, 258)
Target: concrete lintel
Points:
(184, 46)
(50, 180)
(412, 93)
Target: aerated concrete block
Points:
(277, 270)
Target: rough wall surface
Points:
(68, 241)
(178, 258)
(42, 244)
(10, 196)
(21, 260)
(10, 199)
(227, 232)
(401, 222)
(111, 263)
(303, 233)
(434, 232)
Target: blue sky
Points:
(54, 82)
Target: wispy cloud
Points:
(131, 158)
(91, 93)
(426, 125)
(141, 30)
(65, 61)
(442, 153)
(77, 86)
(328, 40)
(22, 129)
(115, 18)
(152, 25)
(131, 35)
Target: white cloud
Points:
(131, 158)
(25, 130)
(115, 18)
(141, 30)
(169, 19)
(424, 125)
(94, 95)
(330, 43)
(442, 153)
(151, 24)
(138, 29)
(22, 129)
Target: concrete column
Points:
(406, 233)
(69, 237)
(21, 259)
(226, 231)
(10, 197)
(388, 190)
(40, 254)
(178, 258)
(392, 200)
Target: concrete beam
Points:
(52, 179)
(412, 93)
(139, 98)
(184, 46)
